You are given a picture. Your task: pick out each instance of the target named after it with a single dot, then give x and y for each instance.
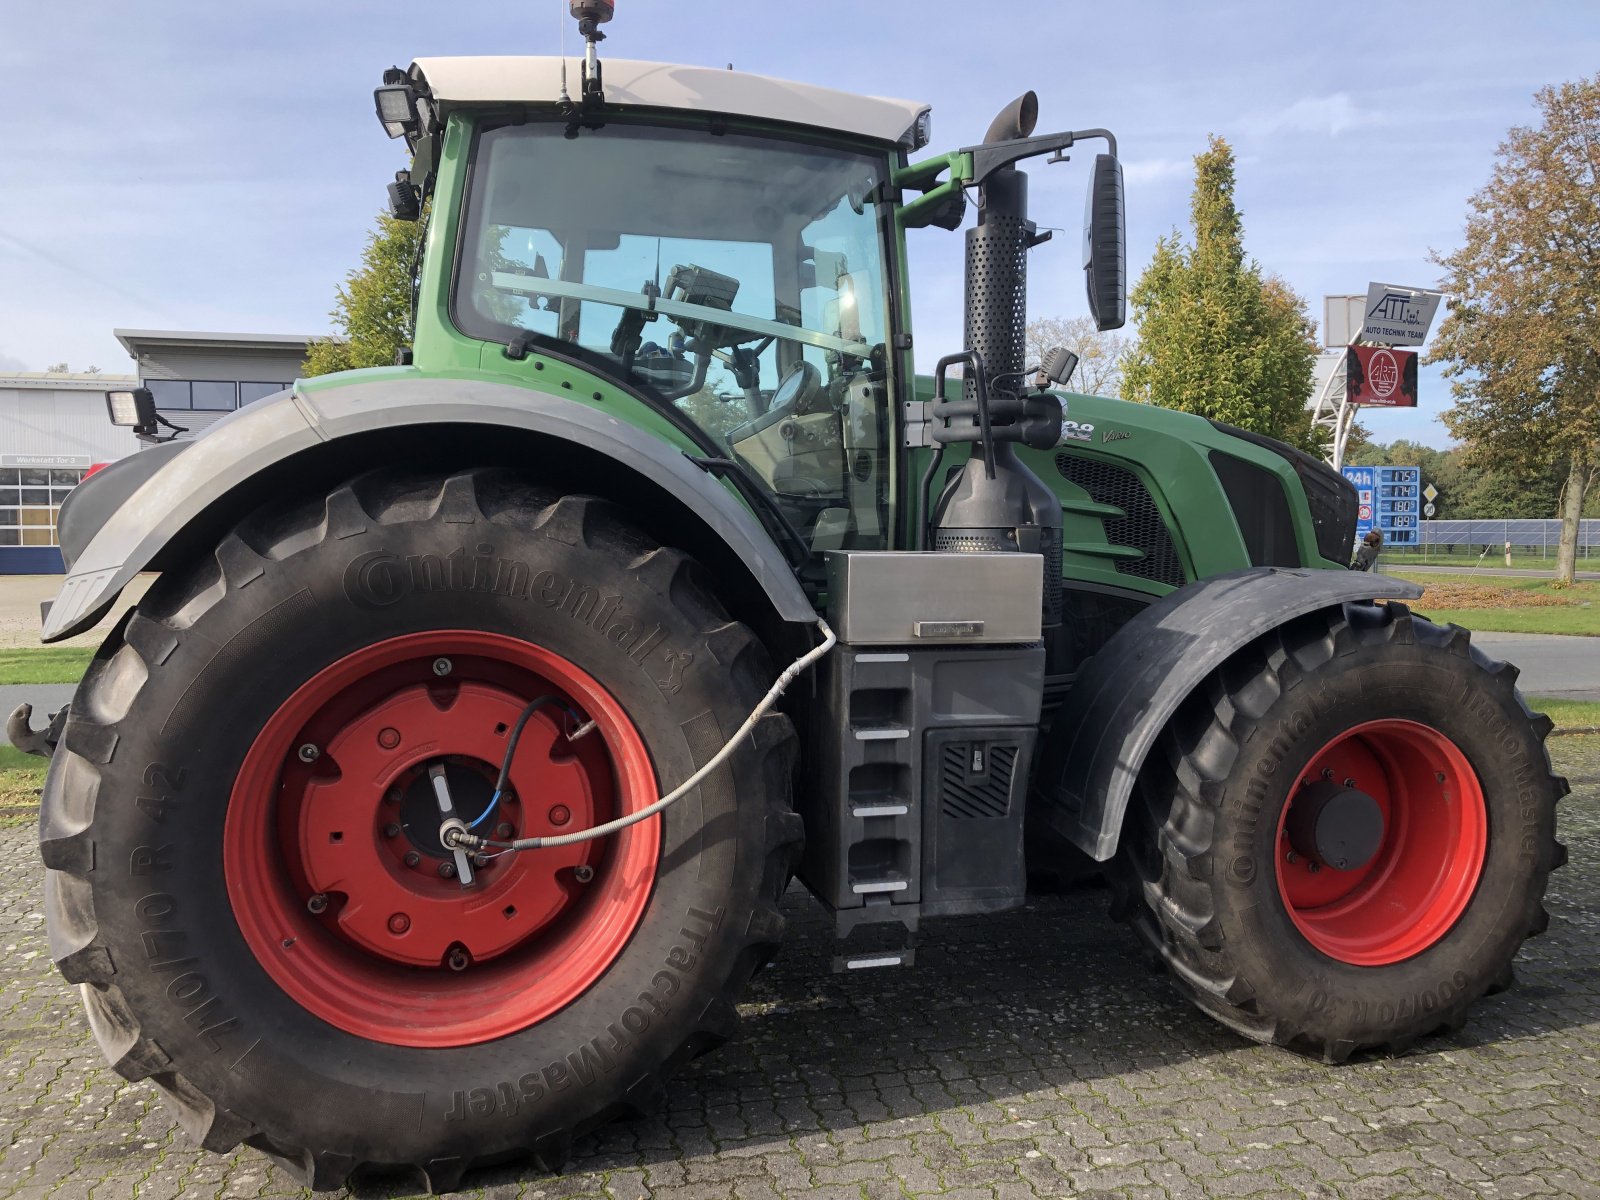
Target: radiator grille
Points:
(1140, 526)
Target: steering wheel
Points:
(795, 391)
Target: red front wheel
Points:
(1382, 842)
(1345, 835)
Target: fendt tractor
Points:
(436, 802)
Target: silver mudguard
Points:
(1133, 685)
(271, 430)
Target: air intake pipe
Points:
(996, 503)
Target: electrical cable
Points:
(790, 674)
(511, 748)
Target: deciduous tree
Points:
(1100, 355)
(1218, 336)
(1521, 338)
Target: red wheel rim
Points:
(1429, 859)
(332, 865)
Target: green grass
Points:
(1519, 559)
(45, 664)
(1507, 604)
(1580, 622)
(1568, 714)
(21, 777)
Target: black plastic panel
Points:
(1329, 495)
(1141, 526)
(1261, 510)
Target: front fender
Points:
(263, 435)
(1130, 689)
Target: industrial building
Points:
(54, 427)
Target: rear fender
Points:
(1126, 693)
(269, 433)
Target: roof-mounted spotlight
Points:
(397, 104)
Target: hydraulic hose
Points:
(456, 837)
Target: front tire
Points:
(1345, 834)
(237, 829)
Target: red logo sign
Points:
(1364, 513)
(1381, 378)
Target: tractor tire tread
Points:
(146, 637)
(1162, 875)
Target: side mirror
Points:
(134, 410)
(1104, 245)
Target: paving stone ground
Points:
(1031, 1054)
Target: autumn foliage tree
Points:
(1217, 336)
(1521, 337)
(372, 310)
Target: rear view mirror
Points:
(1104, 245)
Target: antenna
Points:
(566, 100)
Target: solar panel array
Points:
(1498, 532)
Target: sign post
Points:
(1375, 371)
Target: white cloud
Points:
(1331, 115)
(7, 364)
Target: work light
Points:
(397, 108)
(134, 410)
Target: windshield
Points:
(740, 280)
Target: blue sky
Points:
(189, 164)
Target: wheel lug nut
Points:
(399, 923)
(457, 959)
(442, 666)
(317, 903)
(447, 870)
(583, 872)
(388, 737)
(412, 858)
(1349, 783)
(560, 815)
(503, 830)
(309, 753)
(391, 830)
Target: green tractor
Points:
(436, 802)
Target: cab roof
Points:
(455, 82)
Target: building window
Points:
(30, 498)
(169, 393)
(215, 396)
(249, 393)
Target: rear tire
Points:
(1337, 960)
(170, 912)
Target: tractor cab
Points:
(721, 246)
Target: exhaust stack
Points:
(997, 503)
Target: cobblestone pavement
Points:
(1031, 1054)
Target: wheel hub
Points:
(335, 868)
(471, 788)
(1335, 826)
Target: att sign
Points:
(1398, 316)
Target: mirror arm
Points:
(994, 156)
(926, 208)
